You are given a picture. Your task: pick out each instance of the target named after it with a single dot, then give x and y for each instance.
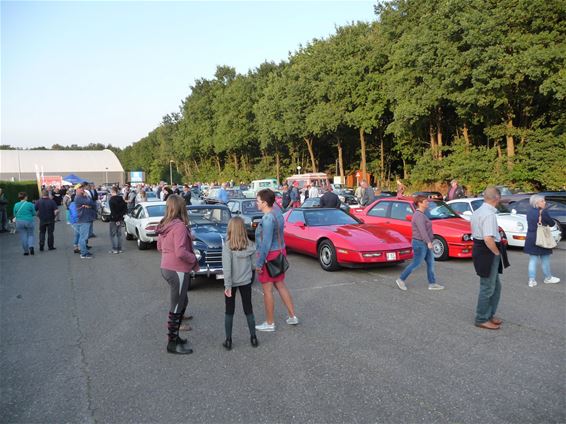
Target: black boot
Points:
(251, 325)
(254, 341)
(227, 344)
(176, 344)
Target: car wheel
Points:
(327, 256)
(128, 235)
(190, 283)
(439, 248)
(142, 245)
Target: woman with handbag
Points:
(177, 261)
(271, 260)
(24, 214)
(537, 216)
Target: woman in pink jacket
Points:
(177, 261)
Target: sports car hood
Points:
(211, 235)
(456, 225)
(367, 237)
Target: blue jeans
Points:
(84, 229)
(116, 235)
(26, 229)
(421, 253)
(490, 292)
(545, 261)
(76, 235)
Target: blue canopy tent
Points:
(73, 179)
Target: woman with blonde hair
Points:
(238, 263)
(177, 261)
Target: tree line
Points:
(431, 90)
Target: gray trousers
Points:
(116, 234)
(178, 285)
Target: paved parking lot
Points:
(84, 341)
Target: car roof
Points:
(213, 206)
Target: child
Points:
(238, 255)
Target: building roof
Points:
(59, 162)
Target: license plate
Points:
(219, 276)
(391, 256)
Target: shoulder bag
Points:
(544, 236)
(279, 265)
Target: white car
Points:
(142, 222)
(514, 224)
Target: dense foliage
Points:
(433, 89)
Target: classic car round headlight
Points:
(520, 226)
(467, 237)
(198, 254)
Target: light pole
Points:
(171, 171)
(106, 176)
(299, 169)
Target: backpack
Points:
(73, 213)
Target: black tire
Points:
(190, 285)
(439, 248)
(142, 245)
(327, 256)
(129, 236)
(104, 218)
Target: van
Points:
(257, 185)
(319, 179)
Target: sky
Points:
(107, 72)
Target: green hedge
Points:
(12, 188)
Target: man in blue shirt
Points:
(223, 194)
(86, 210)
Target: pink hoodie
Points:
(176, 247)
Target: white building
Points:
(98, 166)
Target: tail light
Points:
(405, 251)
(150, 228)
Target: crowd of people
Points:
(264, 260)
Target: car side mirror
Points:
(300, 224)
(409, 218)
(467, 213)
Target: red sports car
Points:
(339, 239)
(452, 234)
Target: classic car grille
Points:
(214, 257)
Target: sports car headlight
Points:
(467, 237)
(520, 226)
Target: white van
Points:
(257, 185)
(319, 179)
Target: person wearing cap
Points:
(86, 211)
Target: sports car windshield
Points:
(208, 216)
(322, 217)
(154, 211)
(501, 208)
(439, 210)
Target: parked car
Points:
(248, 211)
(212, 197)
(431, 195)
(513, 223)
(208, 225)
(314, 202)
(452, 234)
(555, 204)
(142, 222)
(338, 239)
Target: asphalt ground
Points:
(84, 341)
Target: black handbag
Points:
(280, 264)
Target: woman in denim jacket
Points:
(270, 242)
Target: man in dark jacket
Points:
(486, 256)
(47, 210)
(329, 199)
(187, 194)
(86, 211)
(285, 197)
(118, 209)
(456, 191)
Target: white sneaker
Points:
(532, 283)
(292, 320)
(552, 280)
(435, 287)
(401, 284)
(265, 327)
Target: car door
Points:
(131, 219)
(378, 214)
(295, 236)
(398, 213)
